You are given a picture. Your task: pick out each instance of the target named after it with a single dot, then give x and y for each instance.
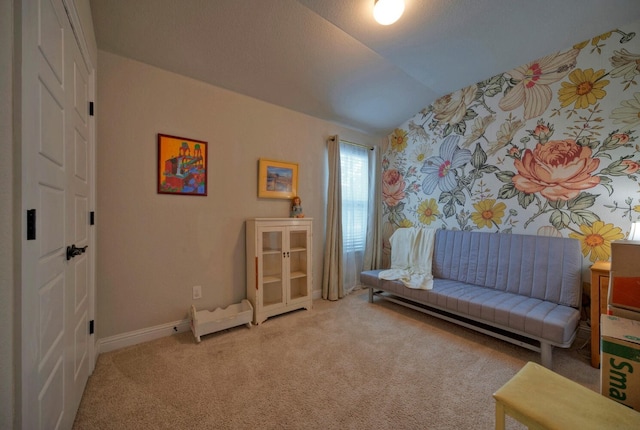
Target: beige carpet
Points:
(343, 365)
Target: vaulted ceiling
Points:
(331, 60)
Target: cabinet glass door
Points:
(298, 265)
(272, 263)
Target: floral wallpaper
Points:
(547, 148)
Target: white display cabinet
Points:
(279, 277)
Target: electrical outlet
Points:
(197, 292)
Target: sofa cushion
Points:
(540, 267)
(513, 312)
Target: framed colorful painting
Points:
(277, 179)
(182, 166)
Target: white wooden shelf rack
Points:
(206, 322)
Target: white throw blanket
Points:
(411, 255)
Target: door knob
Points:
(72, 251)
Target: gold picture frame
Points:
(277, 179)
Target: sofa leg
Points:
(546, 354)
(370, 294)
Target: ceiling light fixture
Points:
(387, 11)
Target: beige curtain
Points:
(373, 247)
(332, 279)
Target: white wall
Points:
(6, 217)
(152, 248)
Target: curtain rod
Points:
(371, 148)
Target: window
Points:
(354, 164)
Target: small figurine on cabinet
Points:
(296, 208)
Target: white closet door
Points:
(56, 149)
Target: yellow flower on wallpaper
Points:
(596, 239)
(428, 211)
(594, 42)
(636, 208)
(399, 140)
(488, 213)
(405, 223)
(581, 44)
(598, 39)
(585, 88)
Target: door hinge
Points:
(90, 108)
(91, 327)
(92, 219)
(31, 224)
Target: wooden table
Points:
(599, 289)
(542, 399)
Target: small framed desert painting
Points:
(277, 179)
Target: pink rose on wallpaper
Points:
(558, 170)
(514, 152)
(543, 132)
(392, 187)
(621, 138)
(631, 166)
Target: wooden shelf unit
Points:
(599, 289)
(279, 258)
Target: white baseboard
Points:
(118, 341)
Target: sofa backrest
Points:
(542, 267)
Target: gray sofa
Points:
(520, 288)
